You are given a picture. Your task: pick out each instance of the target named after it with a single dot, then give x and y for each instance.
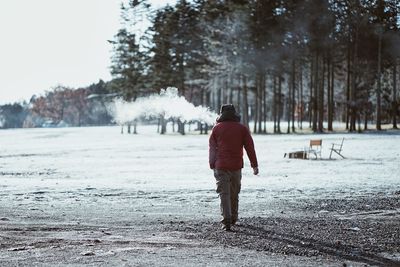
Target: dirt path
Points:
(324, 232)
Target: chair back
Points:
(316, 142)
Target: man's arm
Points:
(212, 149)
(251, 153)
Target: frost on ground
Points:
(78, 196)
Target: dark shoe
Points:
(226, 228)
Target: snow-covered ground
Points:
(97, 176)
(102, 158)
(173, 169)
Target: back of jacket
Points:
(226, 146)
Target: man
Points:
(226, 144)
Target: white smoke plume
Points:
(167, 104)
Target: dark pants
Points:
(228, 188)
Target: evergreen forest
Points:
(299, 64)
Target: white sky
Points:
(44, 43)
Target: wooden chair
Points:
(315, 148)
(337, 148)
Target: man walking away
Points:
(226, 144)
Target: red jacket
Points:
(226, 146)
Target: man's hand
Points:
(255, 170)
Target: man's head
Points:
(227, 108)
(228, 113)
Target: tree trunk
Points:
(288, 104)
(359, 122)
(219, 98)
(264, 99)
(311, 101)
(331, 77)
(225, 93)
(279, 102)
(181, 127)
(321, 94)
(301, 102)
(315, 98)
(208, 99)
(348, 87)
(257, 106)
(163, 124)
(230, 89)
(213, 100)
(182, 74)
(328, 90)
(79, 117)
(135, 127)
(378, 91)
(394, 101)
(256, 102)
(293, 103)
(239, 98)
(332, 92)
(245, 103)
(353, 95)
(274, 103)
(260, 103)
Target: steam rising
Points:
(167, 104)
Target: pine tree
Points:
(128, 65)
(129, 60)
(161, 62)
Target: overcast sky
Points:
(45, 43)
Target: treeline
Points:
(306, 62)
(60, 107)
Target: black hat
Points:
(228, 113)
(227, 108)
